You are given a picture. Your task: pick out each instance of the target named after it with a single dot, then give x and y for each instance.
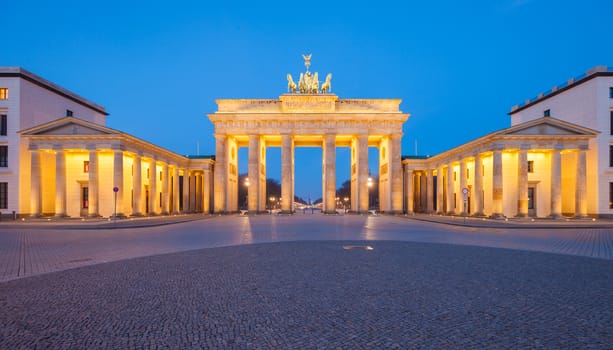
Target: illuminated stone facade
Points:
(315, 120)
(536, 168)
(60, 159)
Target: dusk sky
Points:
(158, 67)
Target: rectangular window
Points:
(467, 173)
(530, 166)
(610, 156)
(610, 92)
(610, 195)
(4, 156)
(4, 93)
(147, 172)
(68, 113)
(455, 201)
(161, 176)
(611, 122)
(85, 198)
(86, 166)
(454, 176)
(4, 125)
(4, 195)
(160, 199)
(547, 113)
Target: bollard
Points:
(14, 216)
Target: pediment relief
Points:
(69, 126)
(546, 128)
(71, 129)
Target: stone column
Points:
(450, 202)
(137, 186)
(395, 164)
(408, 181)
(287, 179)
(118, 182)
(185, 191)
(93, 184)
(330, 173)
(362, 169)
(522, 183)
(556, 184)
(165, 190)
(153, 192)
(463, 185)
(497, 185)
(253, 191)
(206, 191)
(35, 184)
(477, 192)
(176, 197)
(60, 183)
(193, 192)
(429, 191)
(220, 173)
(440, 190)
(581, 185)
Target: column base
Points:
(556, 217)
(152, 214)
(94, 215)
(61, 215)
(165, 213)
(521, 215)
(35, 216)
(479, 214)
(582, 216)
(497, 216)
(450, 213)
(137, 215)
(118, 216)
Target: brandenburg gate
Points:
(308, 116)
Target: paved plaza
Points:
(260, 282)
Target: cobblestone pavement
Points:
(29, 250)
(316, 295)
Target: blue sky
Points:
(159, 66)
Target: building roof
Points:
(598, 71)
(542, 130)
(18, 72)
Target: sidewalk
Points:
(520, 223)
(100, 223)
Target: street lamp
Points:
(346, 199)
(272, 200)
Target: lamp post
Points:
(346, 199)
(115, 190)
(272, 200)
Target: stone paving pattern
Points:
(315, 295)
(31, 249)
(77, 285)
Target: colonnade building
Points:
(57, 157)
